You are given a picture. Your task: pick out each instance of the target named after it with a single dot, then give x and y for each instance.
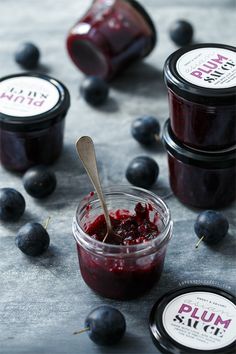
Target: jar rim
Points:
(193, 92)
(127, 249)
(42, 120)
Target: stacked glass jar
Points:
(200, 136)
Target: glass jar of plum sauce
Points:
(121, 271)
(200, 179)
(201, 81)
(112, 34)
(32, 116)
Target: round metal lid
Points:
(194, 320)
(203, 73)
(31, 101)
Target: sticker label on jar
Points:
(25, 96)
(208, 67)
(201, 320)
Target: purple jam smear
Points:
(128, 228)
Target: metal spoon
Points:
(86, 152)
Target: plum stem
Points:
(47, 222)
(198, 243)
(82, 331)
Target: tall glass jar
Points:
(118, 271)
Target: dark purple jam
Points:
(119, 278)
(128, 228)
(111, 35)
(201, 126)
(21, 150)
(130, 275)
(201, 81)
(202, 187)
(32, 117)
(198, 178)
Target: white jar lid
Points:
(197, 319)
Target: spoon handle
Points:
(86, 152)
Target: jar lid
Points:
(219, 159)
(203, 73)
(31, 101)
(136, 5)
(195, 319)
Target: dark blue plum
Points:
(27, 55)
(181, 32)
(94, 90)
(146, 130)
(12, 204)
(106, 325)
(212, 225)
(39, 181)
(32, 239)
(142, 171)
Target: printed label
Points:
(208, 67)
(25, 96)
(201, 320)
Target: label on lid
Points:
(201, 320)
(208, 67)
(26, 96)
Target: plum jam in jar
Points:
(128, 264)
(200, 179)
(111, 35)
(32, 116)
(201, 81)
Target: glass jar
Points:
(200, 179)
(111, 35)
(118, 271)
(32, 118)
(201, 81)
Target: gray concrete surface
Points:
(44, 300)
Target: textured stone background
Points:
(44, 300)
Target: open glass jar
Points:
(112, 34)
(118, 271)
